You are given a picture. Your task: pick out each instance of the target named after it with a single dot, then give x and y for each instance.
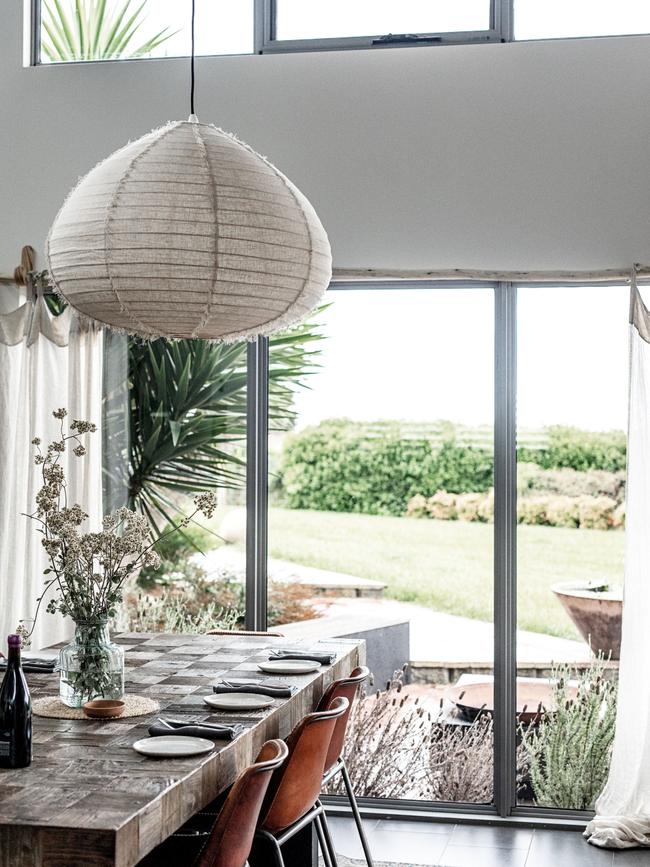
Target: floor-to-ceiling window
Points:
(381, 507)
(383, 495)
(572, 418)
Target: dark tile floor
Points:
(449, 845)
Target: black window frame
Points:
(266, 42)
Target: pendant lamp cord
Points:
(192, 61)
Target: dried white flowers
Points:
(87, 571)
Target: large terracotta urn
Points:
(597, 612)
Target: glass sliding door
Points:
(381, 526)
(572, 418)
(188, 407)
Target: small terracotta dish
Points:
(104, 708)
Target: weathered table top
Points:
(89, 799)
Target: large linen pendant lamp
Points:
(188, 232)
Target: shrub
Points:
(563, 512)
(618, 517)
(417, 507)
(468, 507)
(182, 599)
(590, 513)
(290, 602)
(596, 513)
(442, 506)
(486, 507)
(175, 552)
(383, 746)
(568, 752)
(337, 467)
(579, 450)
(532, 510)
(396, 748)
(169, 611)
(571, 483)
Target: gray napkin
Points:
(258, 687)
(37, 666)
(212, 731)
(314, 655)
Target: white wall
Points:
(529, 155)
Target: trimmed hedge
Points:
(337, 468)
(579, 450)
(532, 480)
(548, 510)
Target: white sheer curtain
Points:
(623, 809)
(46, 362)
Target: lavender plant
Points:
(396, 748)
(169, 613)
(383, 750)
(568, 752)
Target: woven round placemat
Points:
(52, 706)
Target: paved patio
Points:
(439, 637)
(434, 636)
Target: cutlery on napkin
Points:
(258, 687)
(213, 731)
(314, 655)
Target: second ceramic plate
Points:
(173, 747)
(238, 701)
(289, 666)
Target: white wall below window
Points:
(517, 156)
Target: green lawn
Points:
(447, 565)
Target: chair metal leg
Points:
(277, 851)
(356, 814)
(329, 843)
(323, 842)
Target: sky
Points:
(427, 354)
(226, 26)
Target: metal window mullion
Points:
(264, 24)
(502, 18)
(505, 548)
(32, 32)
(257, 450)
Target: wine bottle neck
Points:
(13, 656)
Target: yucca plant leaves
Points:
(188, 413)
(95, 30)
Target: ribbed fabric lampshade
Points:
(187, 232)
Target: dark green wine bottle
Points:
(15, 712)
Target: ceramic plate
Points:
(238, 701)
(289, 666)
(173, 747)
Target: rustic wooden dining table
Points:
(89, 799)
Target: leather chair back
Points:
(230, 842)
(296, 786)
(348, 688)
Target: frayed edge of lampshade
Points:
(280, 323)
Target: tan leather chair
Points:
(291, 801)
(347, 687)
(226, 841)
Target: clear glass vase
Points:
(91, 666)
